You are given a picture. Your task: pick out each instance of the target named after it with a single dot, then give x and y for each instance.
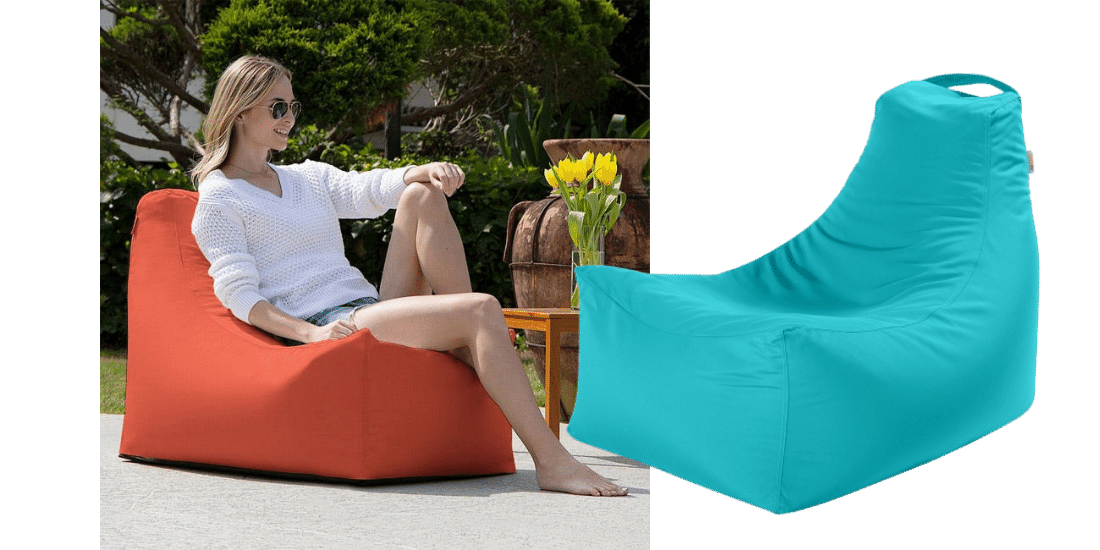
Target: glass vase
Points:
(589, 255)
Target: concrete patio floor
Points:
(146, 506)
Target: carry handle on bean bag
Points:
(960, 79)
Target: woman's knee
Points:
(421, 197)
(485, 307)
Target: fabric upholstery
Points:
(204, 387)
(899, 326)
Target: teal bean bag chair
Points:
(900, 326)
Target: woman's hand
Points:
(271, 319)
(332, 331)
(445, 176)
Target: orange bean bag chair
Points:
(204, 388)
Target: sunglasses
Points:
(280, 108)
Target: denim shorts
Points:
(342, 312)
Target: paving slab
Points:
(147, 506)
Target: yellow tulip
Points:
(588, 160)
(571, 171)
(552, 179)
(606, 168)
(564, 169)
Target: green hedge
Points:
(480, 210)
(121, 186)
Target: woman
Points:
(273, 241)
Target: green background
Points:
(759, 112)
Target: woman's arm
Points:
(219, 232)
(370, 194)
(444, 175)
(220, 235)
(269, 318)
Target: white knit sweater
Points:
(288, 250)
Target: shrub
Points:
(530, 120)
(121, 187)
(347, 57)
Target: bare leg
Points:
(475, 321)
(425, 253)
(423, 228)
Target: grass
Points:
(528, 359)
(112, 379)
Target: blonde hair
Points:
(243, 85)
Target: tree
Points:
(479, 50)
(630, 97)
(346, 57)
(352, 60)
(147, 61)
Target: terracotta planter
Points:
(539, 251)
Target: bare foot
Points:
(570, 476)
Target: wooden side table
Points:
(552, 321)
